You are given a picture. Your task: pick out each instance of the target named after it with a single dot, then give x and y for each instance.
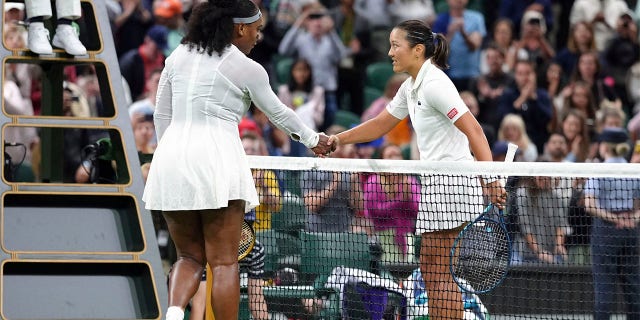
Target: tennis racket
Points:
(481, 254)
(247, 240)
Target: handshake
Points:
(326, 145)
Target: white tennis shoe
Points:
(67, 39)
(38, 39)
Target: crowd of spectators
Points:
(546, 75)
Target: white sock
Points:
(174, 313)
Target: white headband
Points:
(248, 20)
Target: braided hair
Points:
(210, 27)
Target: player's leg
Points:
(445, 298)
(221, 230)
(199, 300)
(185, 229)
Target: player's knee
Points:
(195, 260)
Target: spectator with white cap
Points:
(13, 12)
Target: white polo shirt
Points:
(433, 104)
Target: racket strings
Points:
(247, 239)
(482, 256)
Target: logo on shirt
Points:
(452, 113)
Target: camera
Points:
(535, 21)
(316, 15)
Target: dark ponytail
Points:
(210, 27)
(436, 45)
(441, 52)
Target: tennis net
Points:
(339, 236)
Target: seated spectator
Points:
(13, 14)
(148, 103)
(529, 101)
(556, 149)
(137, 64)
(553, 83)
(542, 219)
(471, 102)
(532, 45)
(515, 10)
(333, 199)
(600, 83)
(276, 140)
(143, 133)
(489, 87)
(502, 39)
(391, 203)
(305, 98)
(621, 53)
(581, 40)
(513, 129)
(574, 128)
(609, 117)
(602, 15)
(579, 98)
(401, 134)
(266, 181)
(369, 150)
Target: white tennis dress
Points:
(433, 104)
(200, 162)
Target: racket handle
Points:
(511, 154)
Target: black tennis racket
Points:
(247, 240)
(481, 254)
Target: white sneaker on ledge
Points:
(67, 39)
(38, 39)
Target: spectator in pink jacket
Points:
(391, 201)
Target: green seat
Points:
(406, 151)
(281, 250)
(292, 215)
(377, 75)
(370, 95)
(22, 173)
(322, 251)
(346, 119)
(283, 69)
(291, 179)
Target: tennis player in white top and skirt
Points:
(446, 131)
(199, 177)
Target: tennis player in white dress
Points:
(446, 131)
(199, 177)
